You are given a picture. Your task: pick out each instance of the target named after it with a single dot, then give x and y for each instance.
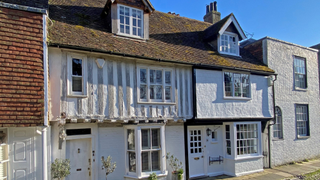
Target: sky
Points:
(294, 21)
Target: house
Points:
(295, 131)
(23, 118)
(124, 81)
(233, 104)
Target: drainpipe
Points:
(274, 116)
(45, 123)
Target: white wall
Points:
(212, 104)
(280, 57)
(112, 90)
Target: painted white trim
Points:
(216, 174)
(83, 57)
(236, 24)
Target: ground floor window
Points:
(144, 150)
(302, 120)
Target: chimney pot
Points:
(211, 7)
(215, 6)
(169, 12)
(208, 9)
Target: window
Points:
(144, 150)
(300, 72)
(302, 120)
(77, 82)
(236, 85)
(195, 142)
(228, 140)
(4, 158)
(155, 85)
(130, 21)
(229, 44)
(277, 127)
(247, 139)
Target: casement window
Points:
(300, 80)
(302, 120)
(247, 139)
(77, 80)
(228, 44)
(144, 150)
(277, 127)
(130, 21)
(236, 85)
(155, 84)
(228, 140)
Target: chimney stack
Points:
(212, 14)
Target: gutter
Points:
(45, 123)
(196, 65)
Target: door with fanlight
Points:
(196, 151)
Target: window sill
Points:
(230, 54)
(300, 89)
(165, 103)
(77, 96)
(278, 139)
(303, 137)
(237, 98)
(145, 176)
(248, 157)
(125, 36)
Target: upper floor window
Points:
(236, 85)
(130, 21)
(277, 127)
(76, 75)
(229, 44)
(302, 120)
(155, 84)
(300, 72)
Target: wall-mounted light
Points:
(209, 131)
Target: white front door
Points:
(195, 151)
(78, 151)
(22, 153)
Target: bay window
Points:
(155, 84)
(145, 150)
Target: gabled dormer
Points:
(223, 35)
(128, 18)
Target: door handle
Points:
(196, 158)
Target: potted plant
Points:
(153, 176)
(60, 168)
(176, 166)
(108, 165)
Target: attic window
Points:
(229, 44)
(130, 21)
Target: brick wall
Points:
(21, 68)
(32, 3)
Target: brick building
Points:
(22, 88)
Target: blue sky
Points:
(295, 21)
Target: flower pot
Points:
(175, 176)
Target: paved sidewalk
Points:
(280, 172)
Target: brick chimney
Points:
(212, 15)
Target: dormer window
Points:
(130, 21)
(229, 44)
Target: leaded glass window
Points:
(236, 84)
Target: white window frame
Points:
(258, 126)
(5, 161)
(229, 34)
(148, 100)
(232, 86)
(277, 127)
(71, 56)
(130, 22)
(297, 65)
(138, 149)
(302, 118)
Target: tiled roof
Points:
(32, 3)
(78, 23)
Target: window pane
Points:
(77, 84)
(77, 67)
(168, 92)
(237, 85)
(122, 28)
(134, 31)
(131, 143)
(228, 80)
(143, 76)
(122, 19)
(155, 160)
(121, 10)
(127, 29)
(155, 138)
(152, 92)
(134, 13)
(132, 161)
(159, 76)
(127, 11)
(158, 92)
(139, 14)
(139, 32)
(145, 161)
(152, 75)
(168, 77)
(145, 133)
(139, 23)
(143, 92)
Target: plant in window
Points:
(153, 176)
(108, 165)
(60, 168)
(176, 166)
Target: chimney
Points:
(212, 14)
